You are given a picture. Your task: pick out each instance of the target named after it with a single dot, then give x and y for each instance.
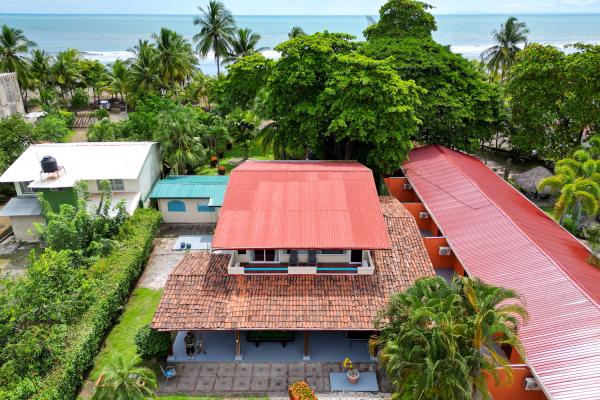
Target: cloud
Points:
(579, 3)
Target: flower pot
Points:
(229, 146)
(213, 163)
(220, 153)
(353, 376)
(221, 171)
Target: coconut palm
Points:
(577, 180)
(118, 78)
(216, 29)
(436, 339)
(296, 32)
(66, 71)
(126, 380)
(243, 126)
(510, 39)
(41, 72)
(13, 44)
(243, 43)
(174, 58)
(143, 67)
(592, 235)
(181, 140)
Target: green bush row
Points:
(114, 277)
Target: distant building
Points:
(10, 95)
(132, 168)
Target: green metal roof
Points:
(192, 187)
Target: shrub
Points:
(80, 98)
(112, 278)
(152, 344)
(52, 128)
(570, 225)
(301, 391)
(101, 113)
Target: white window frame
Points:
(253, 257)
(25, 190)
(115, 185)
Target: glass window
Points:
(241, 251)
(356, 256)
(265, 256)
(116, 185)
(24, 188)
(333, 252)
(176, 206)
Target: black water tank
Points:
(49, 164)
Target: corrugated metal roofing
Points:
(192, 187)
(21, 207)
(504, 239)
(301, 205)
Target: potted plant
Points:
(220, 153)
(221, 170)
(351, 373)
(301, 391)
(213, 161)
(229, 145)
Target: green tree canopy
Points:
(401, 19)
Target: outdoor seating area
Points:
(221, 345)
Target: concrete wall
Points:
(396, 188)
(150, 173)
(56, 198)
(191, 215)
(23, 227)
(303, 258)
(514, 390)
(10, 96)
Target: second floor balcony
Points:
(301, 262)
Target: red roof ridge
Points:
(444, 151)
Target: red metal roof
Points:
(301, 205)
(503, 238)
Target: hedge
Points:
(115, 276)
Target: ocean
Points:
(108, 37)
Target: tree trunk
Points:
(348, 150)
(218, 67)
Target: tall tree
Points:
(143, 73)
(40, 68)
(439, 340)
(13, 44)
(500, 57)
(66, 71)
(243, 42)
(118, 78)
(216, 29)
(243, 126)
(295, 32)
(174, 58)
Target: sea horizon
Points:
(107, 36)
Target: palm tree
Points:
(436, 339)
(13, 44)
(143, 69)
(216, 29)
(592, 235)
(181, 140)
(296, 32)
(41, 73)
(216, 133)
(66, 70)
(126, 380)
(118, 77)
(243, 126)
(243, 43)
(174, 58)
(577, 179)
(500, 57)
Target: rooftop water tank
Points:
(49, 164)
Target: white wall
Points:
(150, 173)
(10, 96)
(191, 215)
(23, 227)
(303, 258)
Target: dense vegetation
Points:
(54, 318)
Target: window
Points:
(203, 206)
(24, 188)
(265, 256)
(176, 206)
(241, 251)
(333, 252)
(116, 185)
(356, 256)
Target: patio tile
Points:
(223, 383)
(259, 383)
(243, 369)
(327, 368)
(241, 383)
(187, 383)
(314, 369)
(209, 369)
(316, 384)
(205, 383)
(366, 367)
(261, 369)
(278, 384)
(294, 379)
(190, 369)
(226, 369)
(279, 369)
(296, 369)
(326, 384)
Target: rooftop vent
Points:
(49, 164)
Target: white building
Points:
(132, 168)
(10, 95)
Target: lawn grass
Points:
(255, 152)
(138, 312)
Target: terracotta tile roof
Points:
(200, 295)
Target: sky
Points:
(297, 7)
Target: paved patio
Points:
(251, 379)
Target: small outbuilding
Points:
(190, 199)
(528, 181)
